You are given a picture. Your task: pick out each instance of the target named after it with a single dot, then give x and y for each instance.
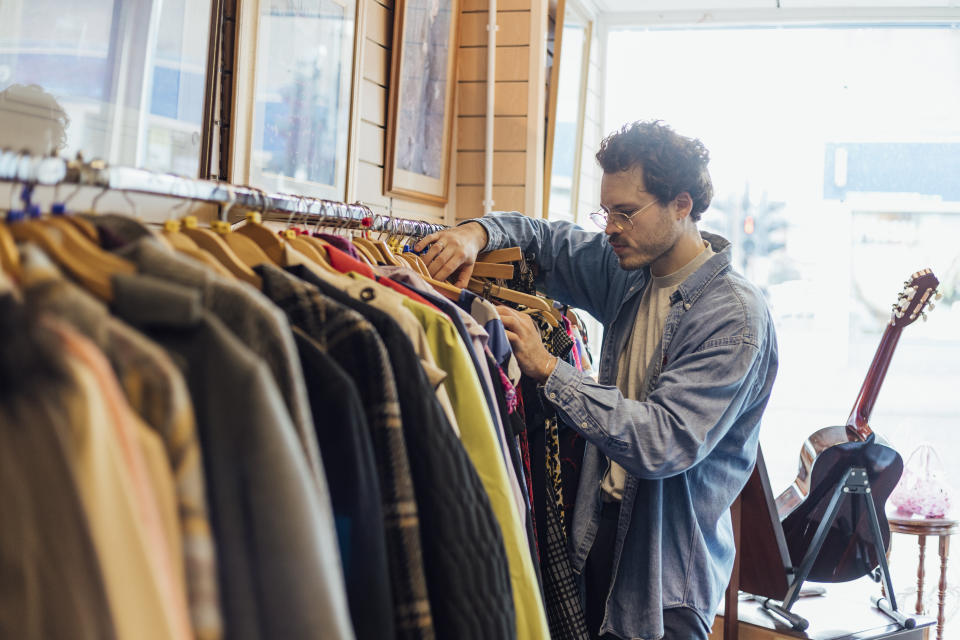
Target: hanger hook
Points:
(96, 199)
(231, 200)
(133, 205)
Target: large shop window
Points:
(836, 162)
(121, 80)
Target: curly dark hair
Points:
(671, 163)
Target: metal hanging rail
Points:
(49, 171)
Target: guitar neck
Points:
(859, 419)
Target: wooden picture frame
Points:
(294, 137)
(422, 82)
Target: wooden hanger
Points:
(367, 249)
(534, 303)
(177, 239)
(246, 249)
(312, 251)
(213, 244)
(9, 256)
(511, 254)
(85, 227)
(49, 239)
(79, 244)
(266, 239)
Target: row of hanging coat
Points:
(234, 432)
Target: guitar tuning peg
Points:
(938, 295)
(931, 306)
(923, 315)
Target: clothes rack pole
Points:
(49, 171)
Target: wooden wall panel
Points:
(470, 200)
(371, 143)
(380, 22)
(509, 133)
(370, 185)
(468, 6)
(373, 103)
(509, 99)
(508, 168)
(512, 64)
(518, 137)
(376, 63)
(514, 28)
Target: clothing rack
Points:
(30, 170)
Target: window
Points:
(121, 81)
(568, 119)
(292, 127)
(835, 155)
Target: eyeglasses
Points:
(621, 221)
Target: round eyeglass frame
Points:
(601, 217)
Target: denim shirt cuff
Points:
(496, 238)
(562, 389)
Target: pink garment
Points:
(122, 417)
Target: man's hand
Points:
(453, 251)
(534, 359)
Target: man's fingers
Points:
(463, 276)
(426, 241)
(432, 257)
(451, 259)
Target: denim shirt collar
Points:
(691, 288)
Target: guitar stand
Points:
(856, 485)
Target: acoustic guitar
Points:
(829, 452)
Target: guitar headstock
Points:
(916, 299)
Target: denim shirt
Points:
(689, 448)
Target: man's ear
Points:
(684, 204)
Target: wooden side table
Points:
(923, 527)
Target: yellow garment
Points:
(482, 445)
(144, 600)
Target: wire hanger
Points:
(302, 243)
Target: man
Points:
(688, 361)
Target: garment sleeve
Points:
(576, 267)
(696, 401)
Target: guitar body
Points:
(847, 552)
(826, 455)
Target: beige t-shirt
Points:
(640, 348)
